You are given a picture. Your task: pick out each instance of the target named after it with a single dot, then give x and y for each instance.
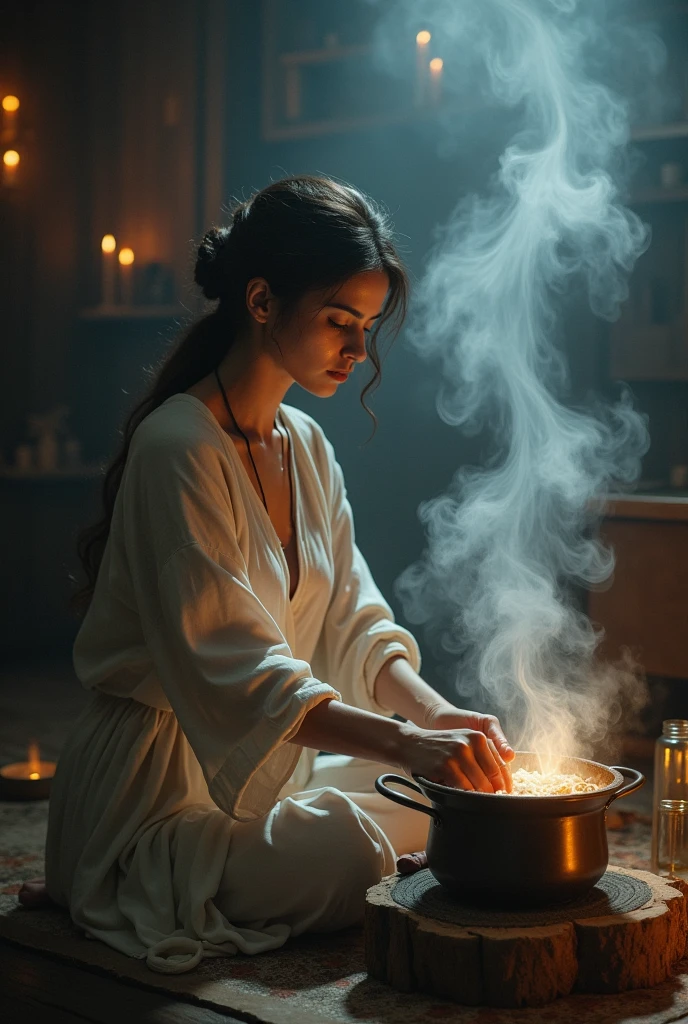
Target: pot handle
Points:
(401, 798)
(635, 781)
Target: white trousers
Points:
(310, 860)
(146, 862)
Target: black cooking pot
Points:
(519, 851)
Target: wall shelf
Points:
(659, 195)
(332, 126)
(89, 472)
(660, 132)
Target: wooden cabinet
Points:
(646, 607)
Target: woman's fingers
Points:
(459, 777)
(465, 764)
(494, 732)
(475, 763)
(486, 767)
(505, 772)
(483, 764)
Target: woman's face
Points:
(320, 346)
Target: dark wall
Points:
(112, 107)
(413, 454)
(42, 60)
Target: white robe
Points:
(180, 773)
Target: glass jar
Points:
(670, 801)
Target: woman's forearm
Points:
(402, 690)
(341, 729)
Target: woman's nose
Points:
(356, 349)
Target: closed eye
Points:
(344, 327)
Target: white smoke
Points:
(506, 543)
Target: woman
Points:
(233, 628)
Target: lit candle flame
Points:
(126, 257)
(10, 158)
(109, 243)
(423, 38)
(10, 104)
(34, 760)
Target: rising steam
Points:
(506, 543)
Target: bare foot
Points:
(33, 893)
(408, 863)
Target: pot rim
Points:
(616, 783)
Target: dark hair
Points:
(301, 234)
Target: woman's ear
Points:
(259, 299)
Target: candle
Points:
(108, 245)
(126, 264)
(422, 43)
(27, 780)
(10, 106)
(10, 163)
(436, 66)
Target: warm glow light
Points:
(126, 257)
(34, 760)
(10, 158)
(423, 38)
(10, 104)
(436, 64)
(108, 243)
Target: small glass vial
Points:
(670, 803)
(672, 839)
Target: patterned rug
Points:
(313, 979)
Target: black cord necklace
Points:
(250, 453)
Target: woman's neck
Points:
(255, 386)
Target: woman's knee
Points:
(356, 856)
(312, 861)
(345, 841)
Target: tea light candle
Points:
(108, 245)
(10, 163)
(27, 780)
(436, 66)
(126, 263)
(422, 45)
(10, 107)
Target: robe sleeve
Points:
(224, 664)
(359, 633)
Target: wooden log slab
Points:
(526, 966)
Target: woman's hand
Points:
(446, 716)
(462, 758)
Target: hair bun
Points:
(208, 272)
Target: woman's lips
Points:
(341, 377)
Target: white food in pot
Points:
(548, 784)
